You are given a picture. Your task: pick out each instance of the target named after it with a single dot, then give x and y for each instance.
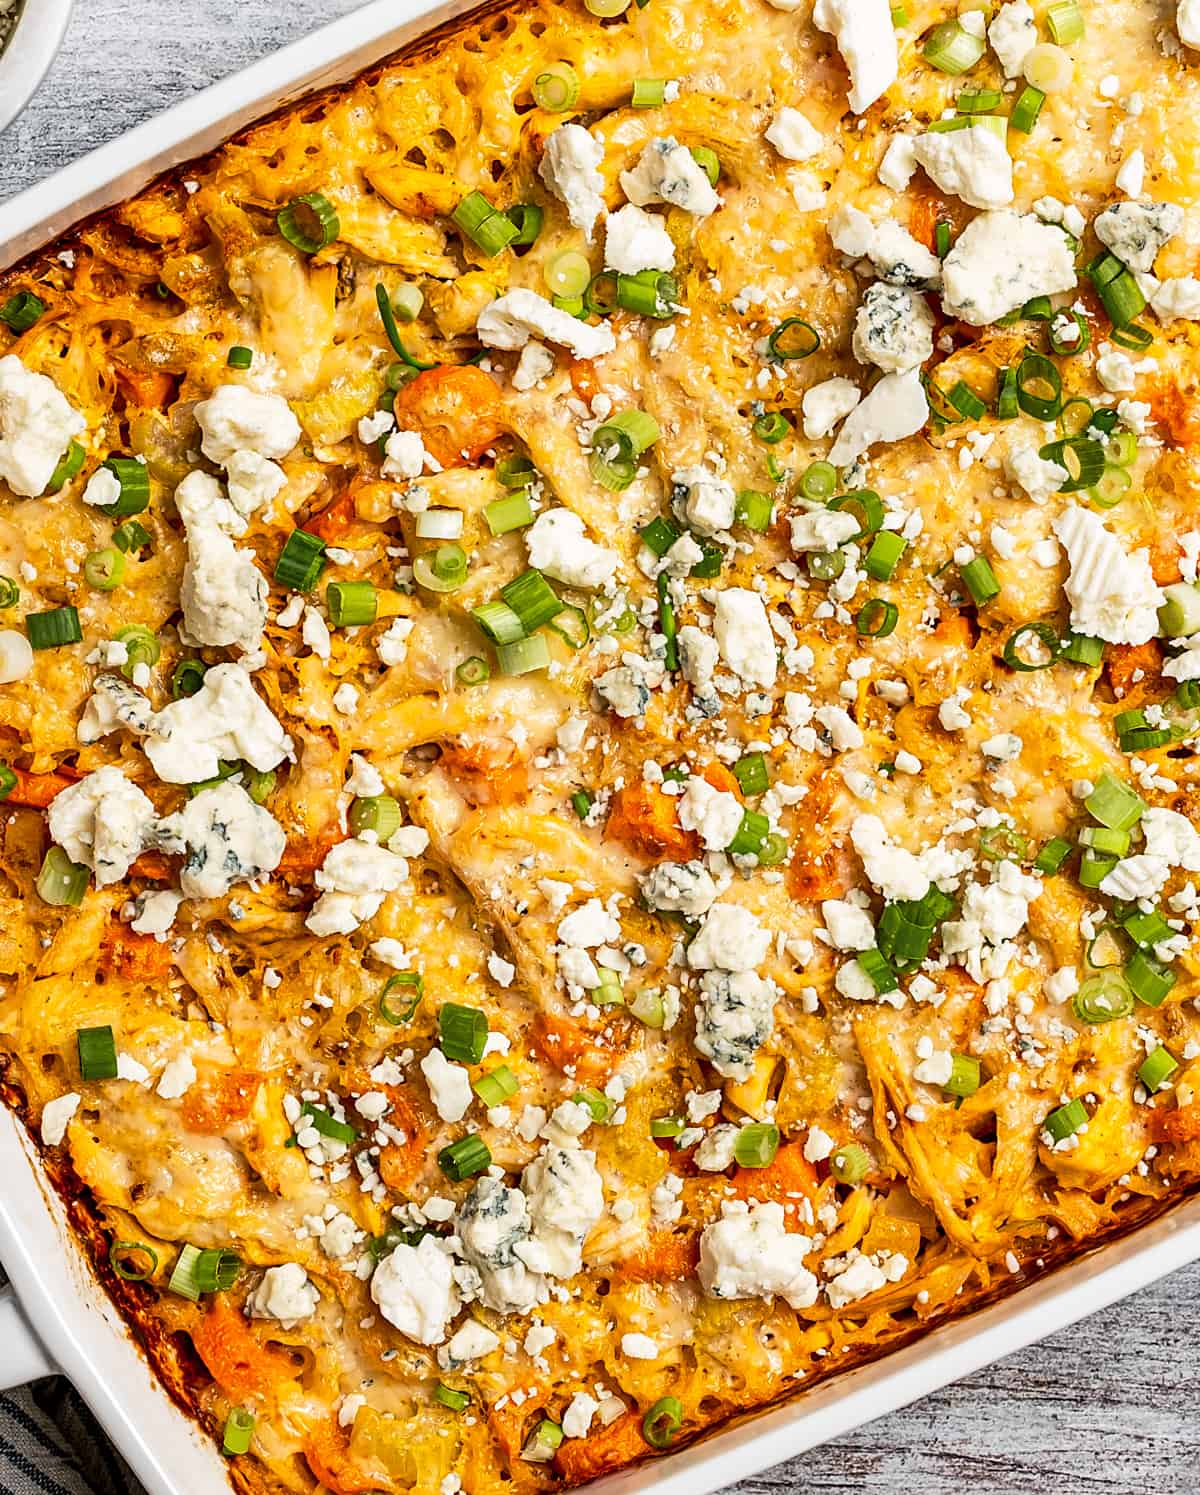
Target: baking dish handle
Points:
(22, 1355)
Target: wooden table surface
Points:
(1110, 1405)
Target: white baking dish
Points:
(64, 1321)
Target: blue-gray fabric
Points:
(50, 1444)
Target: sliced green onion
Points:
(8, 781)
(649, 293)
(1114, 804)
(327, 1123)
(526, 218)
(902, 936)
(1111, 487)
(568, 273)
(866, 506)
(980, 580)
(97, 1053)
(239, 357)
(1082, 458)
(1003, 843)
(772, 427)
(753, 509)
(118, 1253)
(818, 480)
(377, 812)
(598, 1105)
(187, 678)
(600, 294)
(499, 622)
(1149, 978)
(666, 620)
(662, 1421)
(1026, 110)
(141, 647)
(1147, 930)
(658, 536)
(966, 401)
(457, 1401)
(877, 968)
(301, 561)
(877, 618)
(441, 570)
(1094, 867)
(1066, 1120)
(667, 1126)
(1081, 648)
(965, 1076)
(1065, 22)
(1159, 1067)
(351, 604)
(572, 627)
(464, 1158)
(710, 563)
(69, 465)
(850, 1164)
(464, 1032)
(952, 49)
(544, 1441)
(1132, 335)
(1007, 402)
(941, 239)
(309, 222)
(750, 834)
(708, 161)
(524, 656)
(53, 629)
(1187, 693)
(556, 89)
(131, 536)
(1179, 615)
(978, 100)
(532, 598)
(1103, 999)
(239, 1430)
(1052, 855)
(648, 93)
(1067, 346)
(826, 565)
(636, 427)
(1039, 387)
(505, 514)
(10, 593)
(1117, 289)
(473, 671)
(755, 1146)
(134, 479)
(395, 1010)
(751, 773)
(582, 801)
(21, 311)
(489, 229)
(793, 338)
(196, 1271)
(1034, 646)
(497, 1086)
(384, 302)
(884, 554)
(1102, 838)
(104, 569)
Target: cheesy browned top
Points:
(581, 862)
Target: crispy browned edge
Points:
(171, 1356)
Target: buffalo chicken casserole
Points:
(600, 657)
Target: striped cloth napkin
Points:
(50, 1444)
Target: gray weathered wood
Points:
(1110, 1405)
